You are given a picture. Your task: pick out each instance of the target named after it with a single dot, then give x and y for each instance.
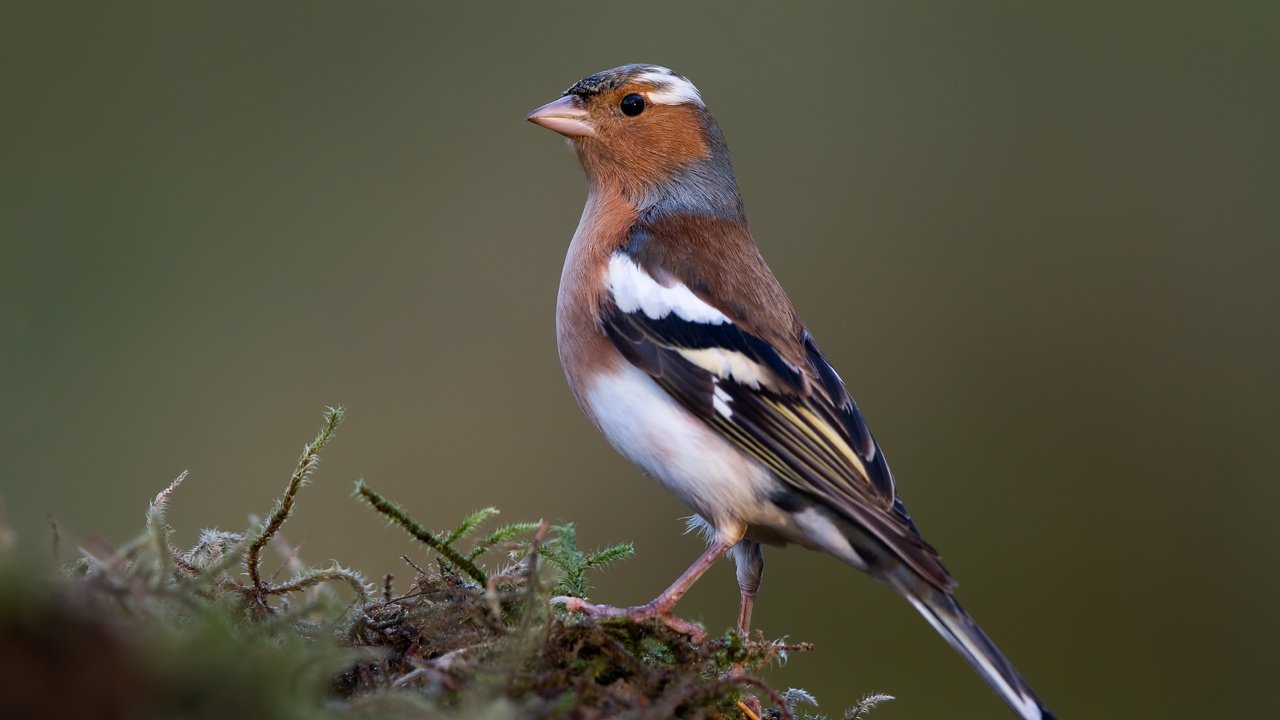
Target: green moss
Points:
(146, 630)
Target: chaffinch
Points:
(685, 352)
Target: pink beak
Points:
(566, 116)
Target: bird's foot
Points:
(639, 613)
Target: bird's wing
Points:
(795, 418)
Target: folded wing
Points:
(795, 419)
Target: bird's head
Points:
(645, 130)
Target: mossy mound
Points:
(146, 630)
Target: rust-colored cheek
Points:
(678, 130)
(660, 147)
(633, 156)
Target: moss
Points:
(146, 630)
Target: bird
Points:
(684, 351)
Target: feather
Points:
(797, 421)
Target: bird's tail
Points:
(911, 567)
(953, 623)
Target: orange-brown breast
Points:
(584, 350)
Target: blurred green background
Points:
(1040, 244)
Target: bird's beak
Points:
(566, 116)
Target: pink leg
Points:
(659, 607)
(749, 560)
(744, 630)
(744, 615)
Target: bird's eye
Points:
(632, 105)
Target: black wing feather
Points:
(811, 437)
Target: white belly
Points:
(691, 460)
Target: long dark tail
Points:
(911, 567)
(953, 623)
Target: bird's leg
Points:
(749, 559)
(660, 607)
(744, 614)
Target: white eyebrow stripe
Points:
(671, 88)
(633, 289)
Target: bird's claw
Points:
(578, 605)
(639, 613)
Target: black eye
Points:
(632, 105)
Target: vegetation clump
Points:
(148, 630)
